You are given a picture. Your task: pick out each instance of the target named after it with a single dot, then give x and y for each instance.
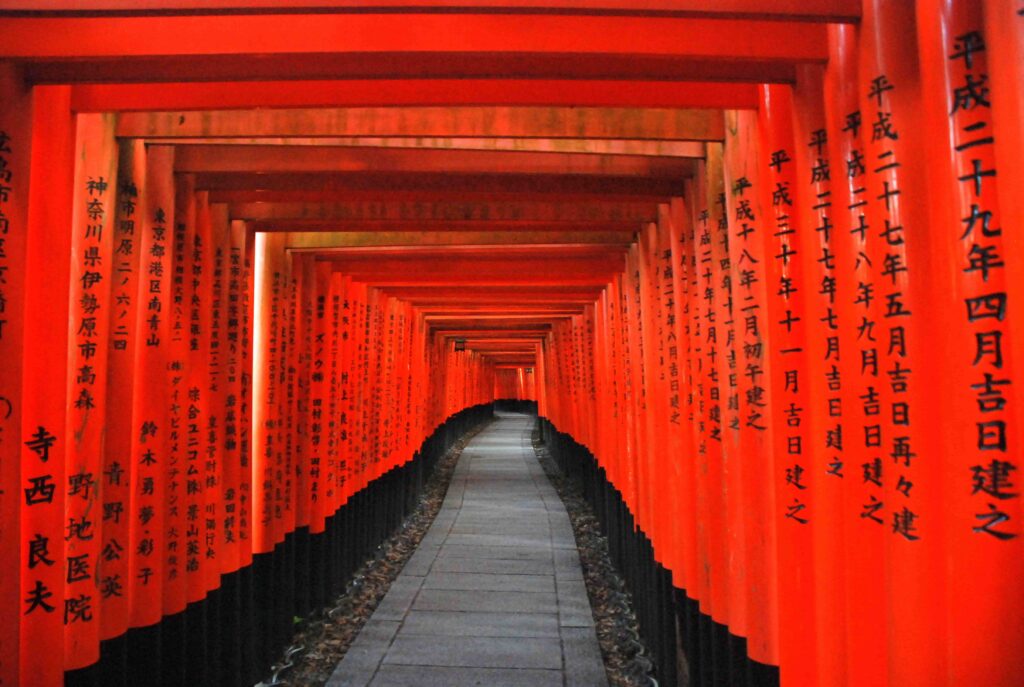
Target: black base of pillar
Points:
(233, 635)
(688, 647)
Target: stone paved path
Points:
(494, 595)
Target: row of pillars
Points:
(803, 383)
(178, 394)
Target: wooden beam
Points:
(92, 93)
(382, 34)
(804, 10)
(319, 241)
(400, 70)
(452, 211)
(513, 186)
(291, 159)
(586, 146)
(371, 226)
(474, 122)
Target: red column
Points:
(320, 475)
(673, 351)
(723, 365)
(794, 480)
(974, 487)
(121, 360)
(92, 230)
(198, 400)
(236, 373)
(15, 150)
(747, 264)
(44, 392)
(900, 435)
(823, 353)
(149, 454)
(183, 211)
(681, 236)
(268, 299)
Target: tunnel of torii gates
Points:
(260, 265)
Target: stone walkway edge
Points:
(494, 595)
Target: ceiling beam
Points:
(804, 10)
(107, 91)
(291, 159)
(374, 35)
(324, 240)
(660, 124)
(384, 184)
(589, 146)
(450, 211)
(332, 225)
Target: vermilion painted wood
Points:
(92, 229)
(237, 423)
(589, 232)
(655, 379)
(794, 479)
(265, 159)
(823, 418)
(831, 10)
(290, 37)
(147, 459)
(268, 268)
(220, 228)
(747, 259)
(291, 328)
(178, 377)
(46, 340)
(966, 356)
(685, 577)
(386, 210)
(495, 185)
(659, 124)
(726, 366)
(862, 557)
(1004, 33)
(674, 91)
(116, 494)
(200, 400)
(704, 460)
(247, 239)
(16, 122)
(899, 164)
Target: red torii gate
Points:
(748, 320)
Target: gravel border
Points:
(624, 652)
(332, 630)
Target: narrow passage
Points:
(495, 594)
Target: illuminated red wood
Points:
(92, 273)
(808, 10)
(118, 505)
(47, 286)
(742, 183)
(465, 184)
(786, 340)
(294, 36)
(823, 416)
(441, 226)
(677, 92)
(266, 159)
(16, 125)
(539, 212)
(175, 592)
(976, 437)
(514, 122)
(152, 435)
